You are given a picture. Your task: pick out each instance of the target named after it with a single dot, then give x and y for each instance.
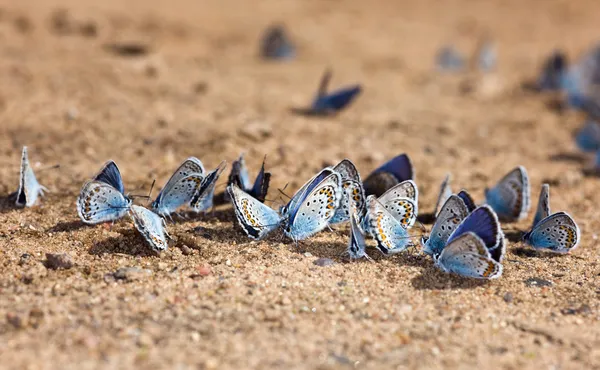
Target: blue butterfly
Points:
(402, 202)
(475, 248)
(103, 199)
(308, 212)
(29, 187)
(556, 232)
(582, 78)
(452, 213)
(180, 188)
(357, 245)
(276, 45)
(391, 236)
(151, 226)
(588, 138)
(486, 56)
(554, 67)
(510, 198)
(446, 192)
(449, 59)
(325, 104)
(203, 197)
(392, 172)
(466, 197)
(353, 195)
(239, 176)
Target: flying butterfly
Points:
(29, 188)
(510, 197)
(103, 199)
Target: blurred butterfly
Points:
(391, 236)
(239, 176)
(588, 138)
(357, 245)
(180, 188)
(325, 104)
(392, 172)
(308, 212)
(103, 199)
(552, 71)
(581, 81)
(276, 45)
(444, 194)
(203, 197)
(151, 226)
(556, 232)
(448, 59)
(475, 248)
(29, 187)
(353, 194)
(452, 213)
(486, 56)
(510, 198)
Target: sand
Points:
(215, 299)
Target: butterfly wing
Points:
(466, 197)
(276, 44)
(390, 235)
(483, 222)
(405, 189)
(395, 170)
(178, 195)
(445, 193)
(511, 196)
(315, 208)
(337, 100)
(111, 175)
(353, 196)
(468, 256)
(347, 170)
(254, 217)
(100, 202)
(357, 246)
(239, 174)
(151, 226)
(453, 212)
(556, 233)
(588, 138)
(543, 208)
(550, 76)
(261, 184)
(448, 59)
(29, 187)
(404, 210)
(299, 196)
(203, 198)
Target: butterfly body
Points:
(239, 176)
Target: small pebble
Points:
(508, 297)
(16, 320)
(58, 261)
(204, 270)
(131, 273)
(185, 250)
(25, 257)
(324, 262)
(307, 254)
(584, 309)
(537, 282)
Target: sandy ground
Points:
(216, 299)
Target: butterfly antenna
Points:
(281, 191)
(324, 82)
(421, 226)
(49, 168)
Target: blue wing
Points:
(254, 217)
(543, 209)
(276, 44)
(487, 57)
(29, 187)
(337, 100)
(449, 59)
(552, 71)
(390, 235)
(468, 256)
(100, 202)
(556, 233)
(466, 197)
(453, 212)
(357, 245)
(483, 222)
(239, 174)
(588, 138)
(203, 198)
(151, 226)
(292, 207)
(261, 184)
(111, 175)
(510, 198)
(400, 166)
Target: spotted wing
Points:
(468, 256)
(390, 235)
(405, 189)
(315, 209)
(353, 196)
(556, 233)
(450, 216)
(347, 170)
(177, 195)
(445, 193)
(510, 198)
(191, 166)
(151, 226)
(29, 187)
(100, 202)
(404, 210)
(484, 223)
(543, 208)
(256, 218)
(203, 198)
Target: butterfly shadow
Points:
(432, 278)
(222, 215)
(129, 242)
(66, 226)
(7, 203)
(569, 157)
(532, 253)
(426, 218)
(514, 236)
(221, 234)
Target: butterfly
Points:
(357, 245)
(308, 212)
(203, 197)
(452, 213)
(180, 188)
(448, 59)
(444, 194)
(239, 176)
(486, 56)
(325, 103)
(588, 138)
(581, 79)
(29, 187)
(475, 248)
(551, 75)
(151, 226)
(103, 199)
(392, 172)
(510, 198)
(401, 201)
(353, 195)
(276, 45)
(390, 234)
(556, 232)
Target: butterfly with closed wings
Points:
(29, 188)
